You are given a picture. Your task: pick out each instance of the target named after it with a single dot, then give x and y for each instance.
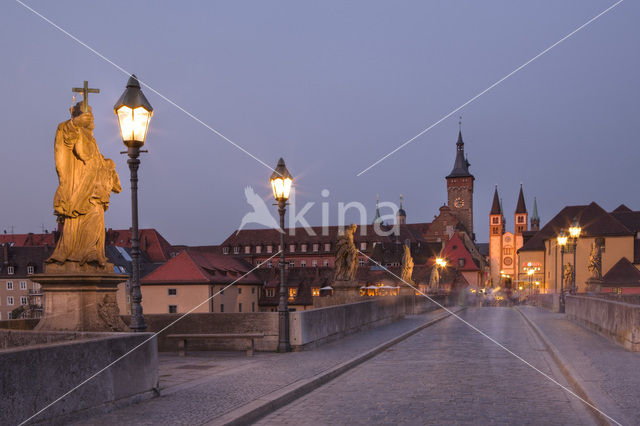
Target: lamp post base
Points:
(283, 325)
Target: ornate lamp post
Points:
(574, 233)
(281, 181)
(562, 241)
(134, 113)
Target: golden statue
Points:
(407, 265)
(568, 274)
(595, 261)
(86, 180)
(346, 262)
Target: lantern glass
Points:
(134, 123)
(281, 188)
(575, 230)
(562, 238)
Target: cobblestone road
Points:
(447, 374)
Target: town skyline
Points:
(329, 123)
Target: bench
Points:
(182, 342)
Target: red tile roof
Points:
(455, 250)
(152, 243)
(200, 267)
(28, 240)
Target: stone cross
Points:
(85, 93)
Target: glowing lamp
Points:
(562, 238)
(575, 229)
(281, 181)
(530, 272)
(441, 262)
(134, 114)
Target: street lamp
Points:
(574, 233)
(530, 272)
(134, 114)
(441, 263)
(562, 241)
(281, 181)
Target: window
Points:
(360, 262)
(236, 250)
(225, 250)
(247, 249)
(461, 262)
(520, 219)
(495, 220)
(292, 293)
(271, 292)
(303, 248)
(239, 307)
(303, 263)
(327, 246)
(315, 291)
(10, 300)
(222, 291)
(253, 306)
(269, 264)
(269, 248)
(326, 262)
(253, 290)
(9, 285)
(30, 270)
(173, 309)
(292, 263)
(507, 251)
(23, 300)
(314, 263)
(292, 248)
(172, 292)
(496, 230)
(258, 249)
(23, 285)
(10, 270)
(363, 246)
(315, 247)
(239, 290)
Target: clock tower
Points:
(460, 188)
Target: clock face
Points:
(459, 202)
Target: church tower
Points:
(521, 215)
(401, 215)
(496, 230)
(535, 219)
(460, 188)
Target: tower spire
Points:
(535, 219)
(377, 218)
(521, 207)
(496, 206)
(461, 164)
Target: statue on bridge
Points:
(595, 261)
(568, 275)
(407, 266)
(86, 180)
(346, 262)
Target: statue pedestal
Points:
(343, 292)
(594, 285)
(80, 299)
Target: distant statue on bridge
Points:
(568, 275)
(346, 262)
(434, 279)
(595, 261)
(86, 180)
(407, 266)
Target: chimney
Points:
(5, 253)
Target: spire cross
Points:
(85, 90)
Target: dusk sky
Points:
(330, 86)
